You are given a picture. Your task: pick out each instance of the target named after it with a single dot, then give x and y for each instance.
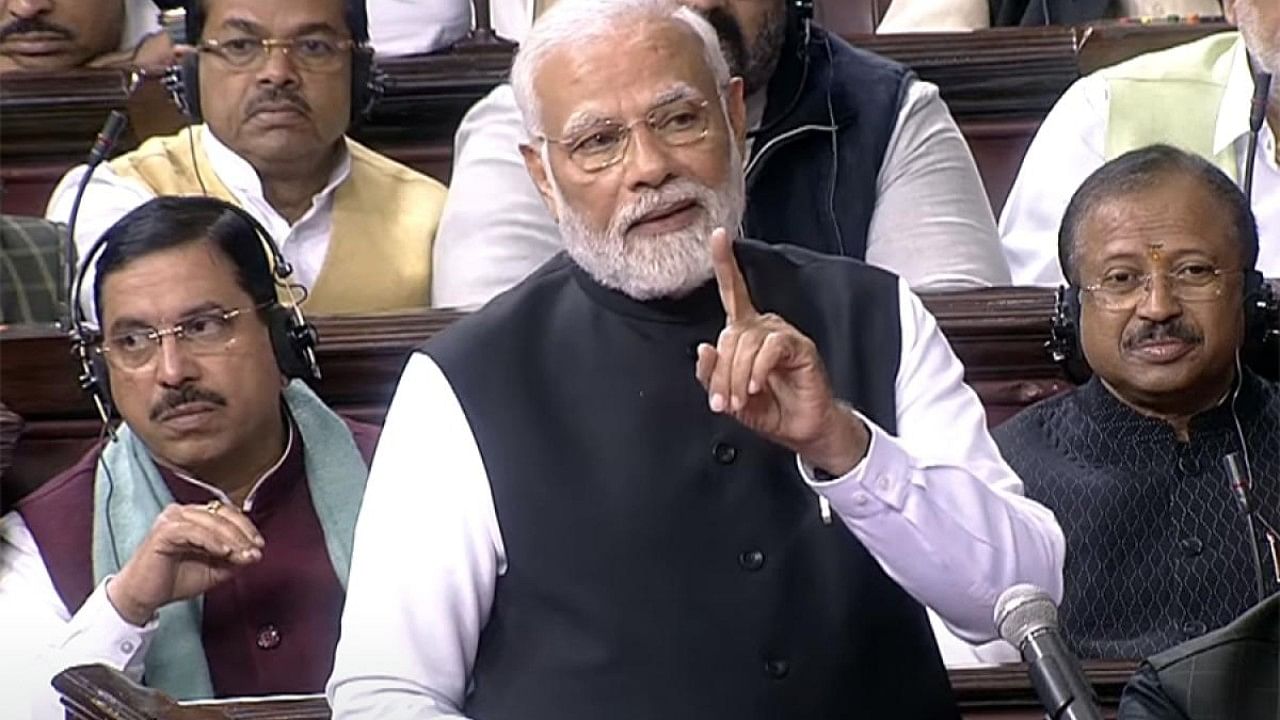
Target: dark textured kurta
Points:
(273, 627)
(1157, 550)
(664, 561)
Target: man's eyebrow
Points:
(582, 121)
(679, 91)
(247, 26)
(314, 28)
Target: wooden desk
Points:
(94, 692)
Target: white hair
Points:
(573, 22)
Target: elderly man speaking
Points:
(670, 474)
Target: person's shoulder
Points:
(1175, 63)
(1260, 624)
(522, 304)
(369, 160)
(845, 54)
(1034, 424)
(69, 487)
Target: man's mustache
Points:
(277, 96)
(174, 399)
(31, 26)
(1148, 332)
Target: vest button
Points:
(724, 453)
(777, 669)
(268, 637)
(1188, 465)
(1191, 546)
(1194, 628)
(751, 560)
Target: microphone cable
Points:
(1257, 116)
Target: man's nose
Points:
(648, 160)
(28, 8)
(1158, 302)
(174, 362)
(277, 68)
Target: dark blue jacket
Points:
(811, 177)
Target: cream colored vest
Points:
(384, 221)
(1172, 96)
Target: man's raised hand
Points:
(769, 376)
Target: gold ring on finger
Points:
(213, 506)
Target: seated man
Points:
(949, 15)
(848, 154)
(1229, 673)
(641, 497)
(63, 34)
(1195, 96)
(204, 550)
(356, 226)
(1160, 248)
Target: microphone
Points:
(1257, 115)
(103, 145)
(1027, 619)
(1241, 489)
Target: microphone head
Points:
(1022, 610)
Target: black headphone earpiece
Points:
(1064, 343)
(293, 338)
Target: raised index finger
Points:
(733, 288)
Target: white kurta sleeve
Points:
(936, 504)
(932, 223)
(426, 560)
(408, 27)
(495, 228)
(1068, 147)
(42, 639)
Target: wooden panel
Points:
(95, 692)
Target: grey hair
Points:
(572, 22)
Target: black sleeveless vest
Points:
(662, 560)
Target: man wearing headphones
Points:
(1197, 96)
(1159, 248)
(204, 548)
(848, 154)
(273, 87)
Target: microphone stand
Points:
(1241, 490)
(482, 38)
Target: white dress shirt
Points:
(936, 505)
(110, 197)
(409, 27)
(932, 223)
(1071, 144)
(41, 638)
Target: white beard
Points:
(661, 266)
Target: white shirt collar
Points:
(253, 491)
(240, 177)
(1233, 112)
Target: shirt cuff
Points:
(877, 484)
(97, 633)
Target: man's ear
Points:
(737, 105)
(538, 171)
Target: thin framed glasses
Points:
(1125, 289)
(206, 333)
(676, 123)
(317, 53)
